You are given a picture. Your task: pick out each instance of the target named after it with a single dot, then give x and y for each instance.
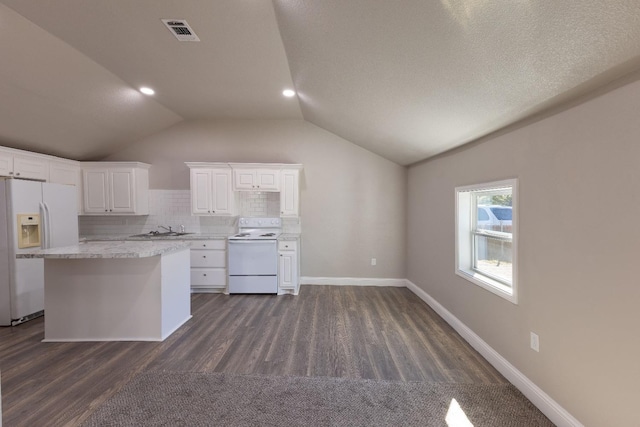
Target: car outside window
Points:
(482, 215)
(503, 214)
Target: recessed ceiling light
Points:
(147, 90)
(288, 93)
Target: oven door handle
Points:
(246, 242)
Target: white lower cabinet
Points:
(208, 265)
(288, 267)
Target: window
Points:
(486, 232)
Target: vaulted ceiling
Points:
(405, 79)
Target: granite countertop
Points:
(126, 237)
(118, 249)
(194, 236)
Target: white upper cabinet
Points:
(290, 193)
(120, 188)
(211, 191)
(67, 173)
(213, 185)
(6, 163)
(253, 179)
(21, 164)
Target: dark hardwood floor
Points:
(355, 332)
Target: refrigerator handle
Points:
(43, 227)
(46, 226)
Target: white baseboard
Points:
(352, 281)
(556, 413)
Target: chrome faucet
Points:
(168, 229)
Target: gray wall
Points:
(579, 249)
(353, 202)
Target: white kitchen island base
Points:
(116, 299)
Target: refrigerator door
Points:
(26, 275)
(5, 287)
(61, 221)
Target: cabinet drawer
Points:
(209, 244)
(287, 245)
(213, 277)
(208, 258)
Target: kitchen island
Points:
(115, 291)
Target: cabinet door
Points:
(6, 164)
(244, 179)
(267, 180)
(223, 201)
(201, 191)
(122, 191)
(289, 194)
(288, 270)
(63, 173)
(95, 190)
(30, 167)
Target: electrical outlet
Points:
(374, 261)
(535, 342)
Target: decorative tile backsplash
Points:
(173, 208)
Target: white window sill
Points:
(489, 284)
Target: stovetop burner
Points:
(258, 229)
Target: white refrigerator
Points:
(22, 280)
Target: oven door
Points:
(253, 257)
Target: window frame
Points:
(465, 237)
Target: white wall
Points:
(353, 202)
(579, 249)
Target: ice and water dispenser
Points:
(28, 231)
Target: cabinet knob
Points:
(18, 174)
(213, 211)
(10, 173)
(205, 274)
(204, 246)
(204, 256)
(106, 210)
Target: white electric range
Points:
(253, 256)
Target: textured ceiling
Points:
(405, 79)
(410, 79)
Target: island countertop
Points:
(119, 249)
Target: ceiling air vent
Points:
(181, 30)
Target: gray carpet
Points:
(215, 399)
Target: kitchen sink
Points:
(152, 234)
